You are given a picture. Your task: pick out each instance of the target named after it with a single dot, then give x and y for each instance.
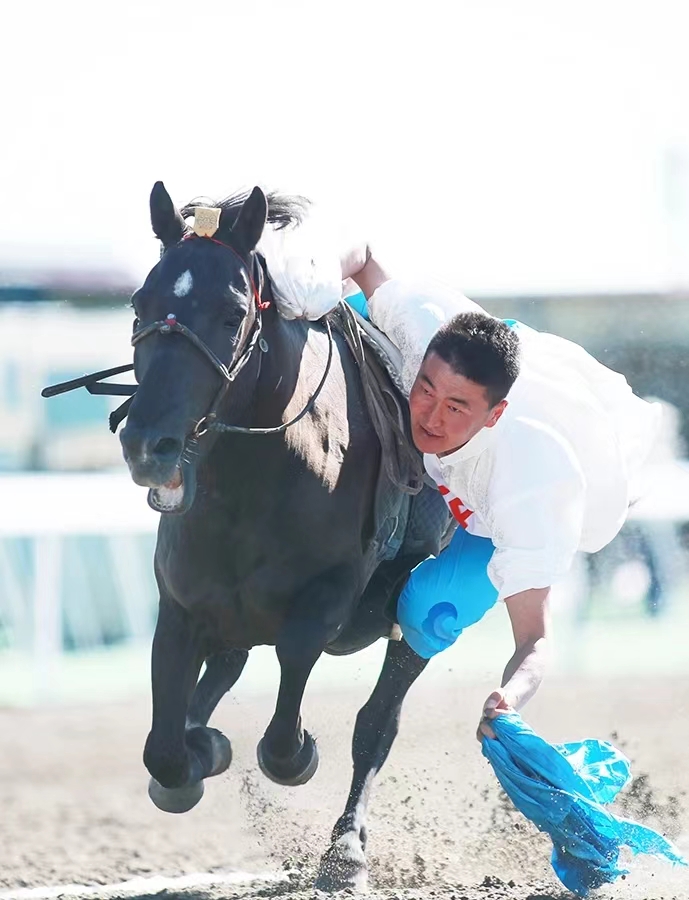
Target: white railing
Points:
(46, 509)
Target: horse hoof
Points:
(175, 800)
(291, 772)
(211, 747)
(343, 865)
(222, 752)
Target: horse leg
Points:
(374, 616)
(178, 760)
(222, 671)
(344, 863)
(287, 753)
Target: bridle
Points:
(247, 341)
(246, 344)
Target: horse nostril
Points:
(169, 448)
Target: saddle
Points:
(411, 518)
(401, 474)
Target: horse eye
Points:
(135, 324)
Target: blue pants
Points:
(446, 594)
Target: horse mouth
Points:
(169, 496)
(176, 495)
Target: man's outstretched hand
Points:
(495, 706)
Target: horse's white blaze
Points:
(184, 284)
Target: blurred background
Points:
(535, 155)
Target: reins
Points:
(278, 429)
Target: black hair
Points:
(284, 210)
(482, 349)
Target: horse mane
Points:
(284, 210)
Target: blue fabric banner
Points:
(561, 788)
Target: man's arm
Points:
(359, 264)
(530, 617)
(537, 503)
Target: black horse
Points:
(265, 537)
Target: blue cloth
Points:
(358, 302)
(446, 594)
(561, 789)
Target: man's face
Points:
(447, 409)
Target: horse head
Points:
(198, 317)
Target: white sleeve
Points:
(537, 528)
(304, 270)
(410, 313)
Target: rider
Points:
(534, 446)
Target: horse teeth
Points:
(169, 498)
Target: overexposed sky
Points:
(503, 145)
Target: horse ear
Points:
(251, 221)
(168, 224)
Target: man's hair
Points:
(482, 349)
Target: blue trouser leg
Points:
(446, 594)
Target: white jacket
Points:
(556, 473)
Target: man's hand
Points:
(359, 264)
(495, 705)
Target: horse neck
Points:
(260, 395)
(263, 391)
(279, 368)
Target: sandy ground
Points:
(73, 803)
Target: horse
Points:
(254, 439)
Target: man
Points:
(534, 445)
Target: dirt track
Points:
(73, 803)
